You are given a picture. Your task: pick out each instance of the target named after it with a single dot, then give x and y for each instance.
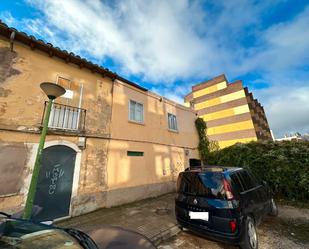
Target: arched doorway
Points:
(54, 189)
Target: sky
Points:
(168, 46)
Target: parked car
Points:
(16, 233)
(223, 203)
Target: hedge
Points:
(283, 165)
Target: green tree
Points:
(203, 145)
(283, 165)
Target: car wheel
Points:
(273, 208)
(250, 237)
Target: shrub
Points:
(283, 165)
(203, 145)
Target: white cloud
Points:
(282, 46)
(158, 40)
(173, 92)
(170, 40)
(164, 42)
(8, 18)
(288, 110)
(286, 104)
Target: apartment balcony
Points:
(66, 118)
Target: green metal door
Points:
(55, 182)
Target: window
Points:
(135, 153)
(246, 180)
(254, 179)
(236, 185)
(172, 122)
(206, 184)
(136, 111)
(65, 83)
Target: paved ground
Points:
(149, 217)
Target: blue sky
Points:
(167, 46)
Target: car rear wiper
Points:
(190, 193)
(5, 214)
(84, 240)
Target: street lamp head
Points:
(52, 90)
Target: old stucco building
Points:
(110, 141)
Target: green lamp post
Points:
(52, 91)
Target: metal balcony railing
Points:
(64, 117)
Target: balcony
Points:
(66, 118)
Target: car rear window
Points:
(247, 181)
(236, 185)
(206, 184)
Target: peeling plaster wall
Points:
(85, 203)
(22, 100)
(14, 157)
(21, 109)
(7, 61)
(92, 185)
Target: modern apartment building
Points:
(231, 113)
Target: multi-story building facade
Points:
(109, 141)
(153, 139)
(231, 113)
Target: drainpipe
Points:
(12, 37)
(80, 105)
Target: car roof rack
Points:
(212, 168)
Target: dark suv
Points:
(223, 203)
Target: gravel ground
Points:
(290, 230)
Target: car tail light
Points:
(228, 190)
(233, 225)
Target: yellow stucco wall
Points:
(227, 143)
(210, 89)
(155, 126)
(23, 105)
(104, 163)
(220, 100)
(21, 110)
(164, 150)
(160, 163)
(226, 131)
(226, 113)
(230, 127)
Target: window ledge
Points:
(135, 122)
(175, 131)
